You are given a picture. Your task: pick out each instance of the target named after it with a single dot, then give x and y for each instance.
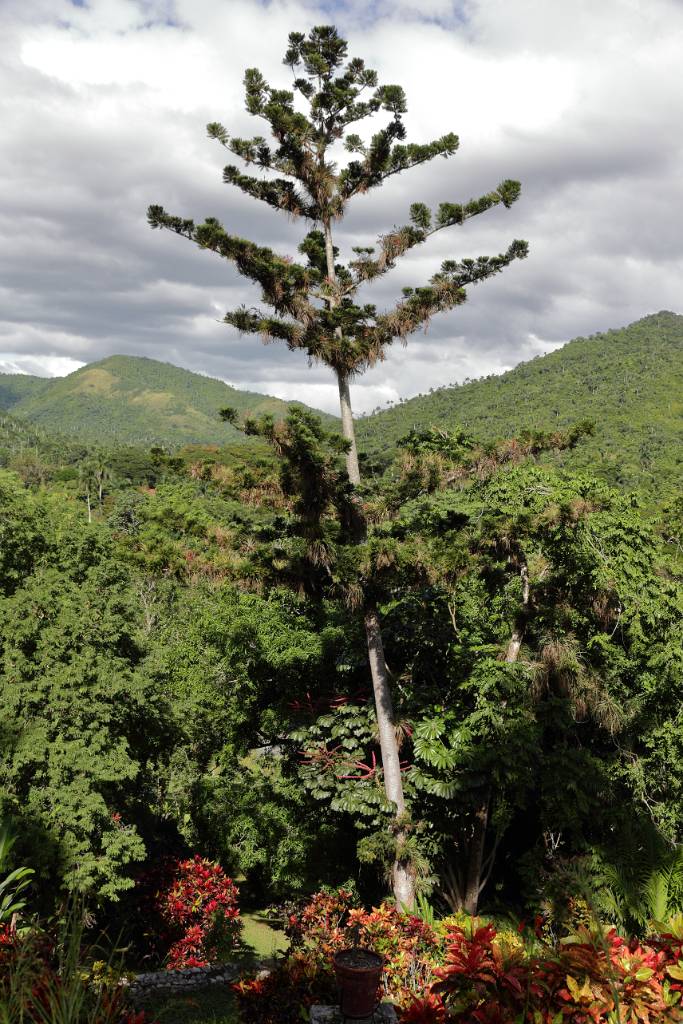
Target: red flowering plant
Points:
(8, 947)
(198, 909)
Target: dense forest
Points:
(416, 691)
(628, 381)
(183, 671)
(179, 536)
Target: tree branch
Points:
(397, 242)
(285, 284)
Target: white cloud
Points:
(38, 366)
(104, 108)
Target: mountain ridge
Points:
(135, 399)
(628, 381)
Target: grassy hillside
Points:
(15, 387)
(138, 401)
(628, 381)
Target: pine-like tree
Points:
(313, 303)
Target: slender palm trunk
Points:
(473, 885)
(515, 642)
(403, 882)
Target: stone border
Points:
(186, 980)
(384, 1014)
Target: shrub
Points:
(286, 993)
(591, 977)
(198, 908)
(408, 945)
(328, 922)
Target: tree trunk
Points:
(473, 885)
(87, 499)
(515, 642)
(403, 881)
(352, 467)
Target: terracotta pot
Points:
(358, 974)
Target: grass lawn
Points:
(215, 1005)
(260, 936)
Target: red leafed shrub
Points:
(327, 923)
(198, 908)
(426, 1009)
(408, 946)
(286, 994)
(593, 977)
(322, 921)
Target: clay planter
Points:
(358, 974)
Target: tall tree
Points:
(87, 474)
(314, 303)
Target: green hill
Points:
(20, 437)
(15, 387)
(628, 381)
(126, 399)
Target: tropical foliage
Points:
(214, 655)
(627, 381)
(473, 971)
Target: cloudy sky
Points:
(104, 105)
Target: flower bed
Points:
(43, 981)
(592, 977)
(470, 973)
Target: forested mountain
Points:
(628, 381)
(125, 399)
(27, 442)
(14, 387)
